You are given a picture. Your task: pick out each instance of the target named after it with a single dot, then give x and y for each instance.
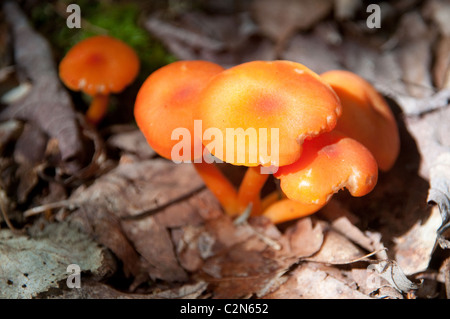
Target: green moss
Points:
(119, 20)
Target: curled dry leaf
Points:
(439, 194)
(47, 105)
(313, 281)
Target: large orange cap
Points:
(167, 101)
(99, 65)
(366, 116)
(329, 163)
(266, 95)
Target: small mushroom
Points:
(329, 163)
(256, 97)
(166, 102)
(366, 116)
(98, 66)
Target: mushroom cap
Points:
(366, 116)
(99, 65)
(267, 95)
(329, 163)
(167, 101)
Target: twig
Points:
(39, 209)
(5, 214)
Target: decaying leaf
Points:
(415, 248)
(226, 39)
(390, 271)
(280, 19)
(439, 194)
(144, 245)
(30, 265)
(314, 281)
(47, 105)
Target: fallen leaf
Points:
(390, 271)
(132, 141)
(31, 265)
(337, 249)
(109, 208)
(47, 105)
(281, 19)
(439, 193)
(309, 281)
(413, 250)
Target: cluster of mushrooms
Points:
(334, 130)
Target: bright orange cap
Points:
(329, 163)
(265, 95)
(167, 101)
(366, 116)
(99, 65)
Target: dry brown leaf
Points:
(439, 194)
(312, 281)
(337, 249)
(304, 238)
(431, 133)
(299, 50)
(225, 39)
(47, 105)
(143, 244)
(131, 142)
(413, 250)
(281, 19)
(92, 289)
(441, 69)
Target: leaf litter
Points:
(165, 233)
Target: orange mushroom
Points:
(366, 116)
(253, 98)
(328, 163)
(98, 66)
(166, 102)
(287, 209)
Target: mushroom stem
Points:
(97, 109)
(250, 188)
(219, 185)
(288, 209)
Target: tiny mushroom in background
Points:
(165, 106)
(366, 116)
(252, 99)
(98, 66)
(328, 163)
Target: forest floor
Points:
(99, 200)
